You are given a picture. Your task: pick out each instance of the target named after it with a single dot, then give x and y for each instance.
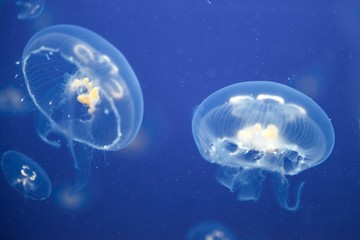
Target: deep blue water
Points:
(182, 51)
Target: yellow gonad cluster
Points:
(90, 97)
(258, 137)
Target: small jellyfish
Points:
(67, 199)
(30, 9)
(210, 231)
(85, 90)
(25, 175)
(254, 128)
(13, 101)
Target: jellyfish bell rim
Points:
(39, 40)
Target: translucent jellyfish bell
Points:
(85, 89)
(30, 9)
(210, 231)
(253, 128)
(25, 175)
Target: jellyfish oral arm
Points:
(246, 182)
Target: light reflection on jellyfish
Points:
(253, 128)
(85, 90)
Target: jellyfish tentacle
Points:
(282, 185)
(82, 155)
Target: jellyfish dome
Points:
(84, 88)
(25, 175)
(252, 128)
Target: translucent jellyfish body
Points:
(30, 9)
(85, 90)
(253, 128)
(210, 231)
(25, 175)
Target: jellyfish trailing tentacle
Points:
(47, 132)
(82, 155)
(282, 188)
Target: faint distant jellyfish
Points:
(85, 90)
(253, 128)
(30, 9)
(66, 198)
(25, 175)
(13, 101)
(210, 231)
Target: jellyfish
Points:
(210, 231)
(30, 9)
(67, 199)
(25, 175)
(13, 101)
(251, 129)
(85, 90)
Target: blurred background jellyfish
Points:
(13, 101)
(253, 128)
(85, 90)
(30, 9)
(25, 175)
(210, 231)
(68, 199)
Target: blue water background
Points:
(182, 51)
